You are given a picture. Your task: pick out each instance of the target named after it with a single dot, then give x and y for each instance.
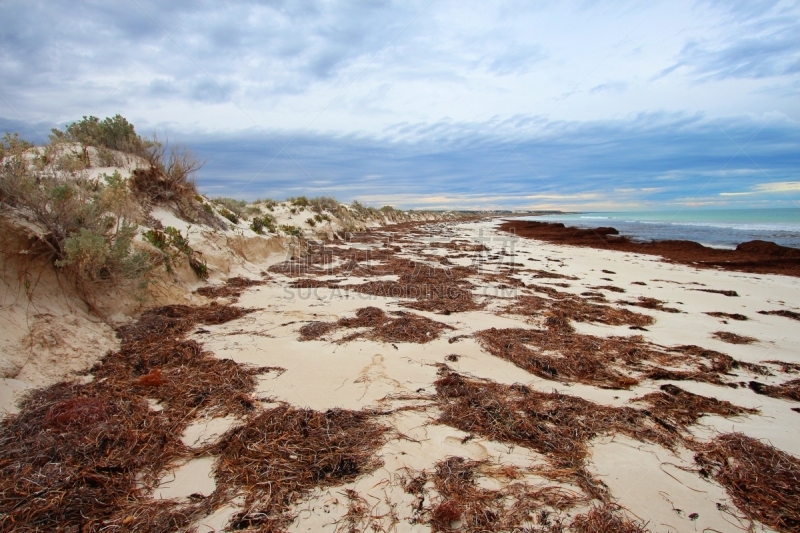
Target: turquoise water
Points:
(723, 228)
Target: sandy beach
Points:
(640, 472)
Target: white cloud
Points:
(778, 186)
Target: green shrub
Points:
(11, 144)
(233, 217)
(300, 201)
(323, 203)
(174, 246)
(199, 267)
(291, 230)
(114, 133)
(260, 223)
(311, 222)
(88, 226)
(293, 210)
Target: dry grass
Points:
(761, 480)
(733, 338)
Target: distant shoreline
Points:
(760, 257)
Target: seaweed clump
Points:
(556, 425)
(460, 503)
(789, 390)
(761, 480)
(279, 455)
(84, 457)
(576, 309)
(404, 327)
(233, 288)
(683, 408)
(733, 338)
(782, 312)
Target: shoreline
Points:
(757, 257)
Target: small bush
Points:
(291, 230)
(88, 226)
(265, 222)
(11, 144)
(300, 201)
(174, 246)
(233, 217)
(311, 222)
(324, 203)
(234, 206)
(170, 177)
(114, 133)
(293, 210)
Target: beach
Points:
(562, 387)
(649, 482)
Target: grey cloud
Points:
(764, 42)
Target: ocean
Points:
(719, 228)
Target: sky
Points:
(435, 104)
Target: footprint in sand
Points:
(376, 371)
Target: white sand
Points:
(646, 480)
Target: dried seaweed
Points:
(789, 390)
(732, 316)
(716, 291)
(279, 455)
(578, 310)
(554, 424)
(606, 518)
(459, 503)
(562, 355)
(233, 288)
(682, 408)
(83, 457)
(733, 338)
(405, 327)
(782, 312)
(616, 362)
(612, 288)
(761, 480)
(786, 367)
(650, 303)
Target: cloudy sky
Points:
(443, 103)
